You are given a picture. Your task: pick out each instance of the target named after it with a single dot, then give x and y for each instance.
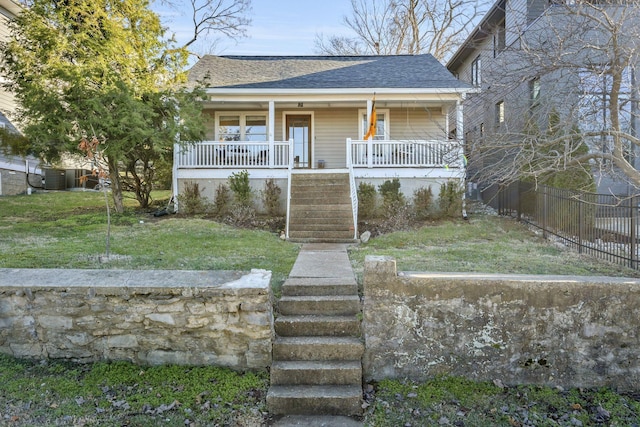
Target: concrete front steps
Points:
(321, 209)
(317, 352)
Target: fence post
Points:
(519, 208)
(633, 235)
(580, 222)
(544, 210)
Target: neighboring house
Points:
(531, 59)
(17, 174)
(285, 117)
(13, 169)
(9, 9)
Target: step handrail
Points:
(290, 173)
(353, 191)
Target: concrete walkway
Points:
(320, 260)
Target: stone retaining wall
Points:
(147, 317)
(553, 330)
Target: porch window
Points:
(382, 126)
(241, 127)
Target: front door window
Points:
(299, 129)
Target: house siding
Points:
(7, 100)
(515, 19)
(418, 123)
(333, 127)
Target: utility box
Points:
(55, 179)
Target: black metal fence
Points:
(601, 225)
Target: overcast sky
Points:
(279, 27)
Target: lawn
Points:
(484, 244)
(68, 230)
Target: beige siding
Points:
(418, 123)
(333, 127)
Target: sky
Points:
(278, 27)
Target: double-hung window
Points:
(250, 126)
(476, 75)
(382, 124)
(499, 41)
(499, 113)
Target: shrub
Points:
(222, 201)
(366, 200)
(271, 197)
(390, 191)
(242, 216)
(395, 210)
(396, 217)
(239, 184)
(450, 199)
(422, 202)
(190, 199)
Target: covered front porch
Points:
(358, 154)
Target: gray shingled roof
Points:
(323, 72)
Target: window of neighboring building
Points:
(499, 113)
(241, 127)
(594, 112)
(499, 39)
(475, 72)
(382, 127)
(534, 91)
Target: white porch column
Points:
(370, 140)
(272, 127)
(460, 138)
(459, 120)
(447, 126)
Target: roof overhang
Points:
(482, 31)
(348, 95)
(11, 6)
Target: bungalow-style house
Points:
(303, 121)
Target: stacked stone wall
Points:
(147, 317)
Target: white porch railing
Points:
(391, 154)
(211, 154)
(261, 155)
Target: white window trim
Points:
(387, 131)
(243, 120)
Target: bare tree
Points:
(387, 27)
(562, 98)
(214, 17)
